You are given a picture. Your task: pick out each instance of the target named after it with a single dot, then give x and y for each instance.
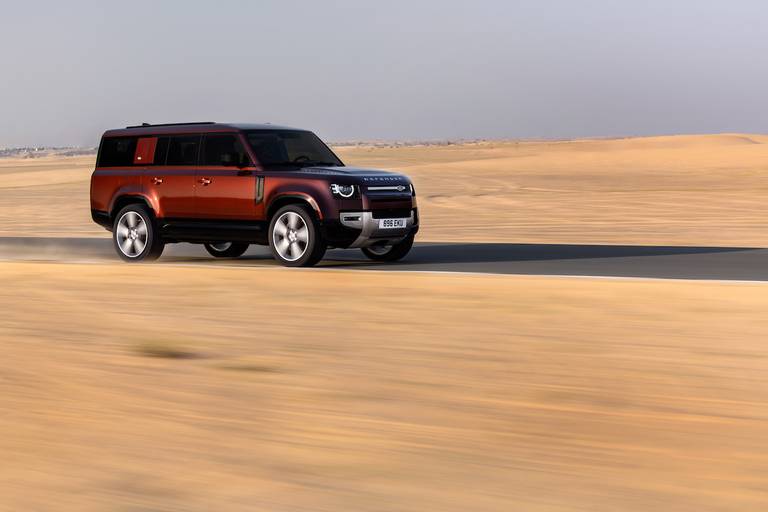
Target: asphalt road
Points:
(722, 263)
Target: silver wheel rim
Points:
(380, 250)
(132, 234)
(220, 247)
(290, 236)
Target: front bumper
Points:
(360, 229)
(370, 233)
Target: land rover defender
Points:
(230, 185)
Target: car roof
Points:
(192, 128)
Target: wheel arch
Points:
(288, 199)
(122, 201)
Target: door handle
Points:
(205, 181)
(157, 181)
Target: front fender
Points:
(315, 193)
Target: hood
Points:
(369, 176)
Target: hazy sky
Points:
(385, 69)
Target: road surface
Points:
(721, 263)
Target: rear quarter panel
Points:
(109, 184)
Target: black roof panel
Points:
(200, 127)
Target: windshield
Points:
(290, 147)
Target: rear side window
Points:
(223, 150)
(117, 152)
(183, 150)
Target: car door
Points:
(170, 177)
(228, 186)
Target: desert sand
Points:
(194, 387)
(708, 190)
(296, 390)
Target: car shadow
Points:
(447, 253)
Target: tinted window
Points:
(117, 152)
(161, 150)
(183, 150)
(290, 147)
(223, 150)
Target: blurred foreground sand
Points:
(709, 190)
(333, 390)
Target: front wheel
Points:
(294, 237)
(135, 234)
(389, 252)
(226, 249)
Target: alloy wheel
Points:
(132, 234)
(290, 236)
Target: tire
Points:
(135, 234)
(390, 252)
(226, 249)
(294, 237)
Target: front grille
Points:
(389, 188)
(391, 213)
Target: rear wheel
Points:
(226, 249)
(389, 252)
(294, 237)
(135, 234)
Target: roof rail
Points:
(146, 125)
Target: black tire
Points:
(390, 252)
(135, 234)
(313, 248)
(226, 249)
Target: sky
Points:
(392, 70)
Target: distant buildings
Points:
(41, 151)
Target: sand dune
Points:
(686, 190)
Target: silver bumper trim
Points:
(369, 229)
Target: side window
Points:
(161, 150)
(224, 149)
(117, 152)
(183, 150)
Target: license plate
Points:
(392, 223)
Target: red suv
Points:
(230, 185)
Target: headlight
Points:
(345, 191)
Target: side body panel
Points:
(171, 189)
(228, 193)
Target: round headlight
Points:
(345, 191)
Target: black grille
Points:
(391, 213)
